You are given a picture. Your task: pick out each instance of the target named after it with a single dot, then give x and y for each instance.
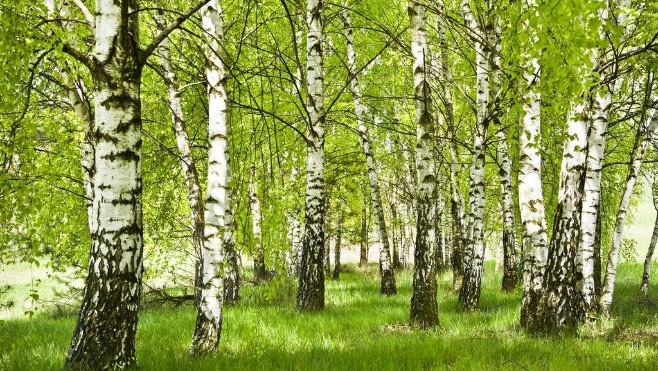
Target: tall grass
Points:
(361, 330)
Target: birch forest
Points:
(330, 185)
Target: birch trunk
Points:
(510, 256)
(179, 127)
(642, 141)
(474, 248)
(218, 213)
(646, 273)
(363, 251)
(104, 336)
(424, 308)
(387, 286)
(531, 199)
(456, 202)
(558, 306)
(311, 280)
(337, 246)
(260, 273)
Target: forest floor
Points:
(361, 330)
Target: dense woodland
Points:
(178, 141)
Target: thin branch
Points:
(85, 11)
(169, 29)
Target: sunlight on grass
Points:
(359, 329)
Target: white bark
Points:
(531, 199)
(474, 247)
(424, 308)
(633, 170)
(256, 221)
(456, 202)
(190, 174)
(311, 280)
(387, 286)
(646, 274)
(218, 214)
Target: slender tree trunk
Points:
(311, 279)
(363, 255)
(179, 127)
(474, 249)
(387, 286)
(260, 272)
(424, 308)
(531, 199)
(104, 336)
(642, 141)
(558, 307)
(337, 246)
(510, 256)
(646, 274)
(218, 242)
(328, 234)
(456, 202)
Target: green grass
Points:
(360, 330)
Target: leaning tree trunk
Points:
(179, 126)
(104, 336)
(424, 308)
(474, 248)
(633, 170)
(558, 306)
(531, 199)
(387, 286)
(260, 273)
(646, 273)
(311, 279)
(339, 238)
(218, 213)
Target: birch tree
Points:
(531, 199)
(387, 286)
(469, 295)
(311, 279)
(641, 144)
(104, 336)
(646, 272)
(424, 308)
(456, 202)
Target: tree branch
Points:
(78, 56)
(85, 11)
(169, 29)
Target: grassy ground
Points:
(362, 330)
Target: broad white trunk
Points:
(474, 247)
(387, 286)
(104, 336)
(558, 307)
(600, 101)
(633, 170)
(531, 199)
(218, 213)
(311, 280)
(424, 308)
